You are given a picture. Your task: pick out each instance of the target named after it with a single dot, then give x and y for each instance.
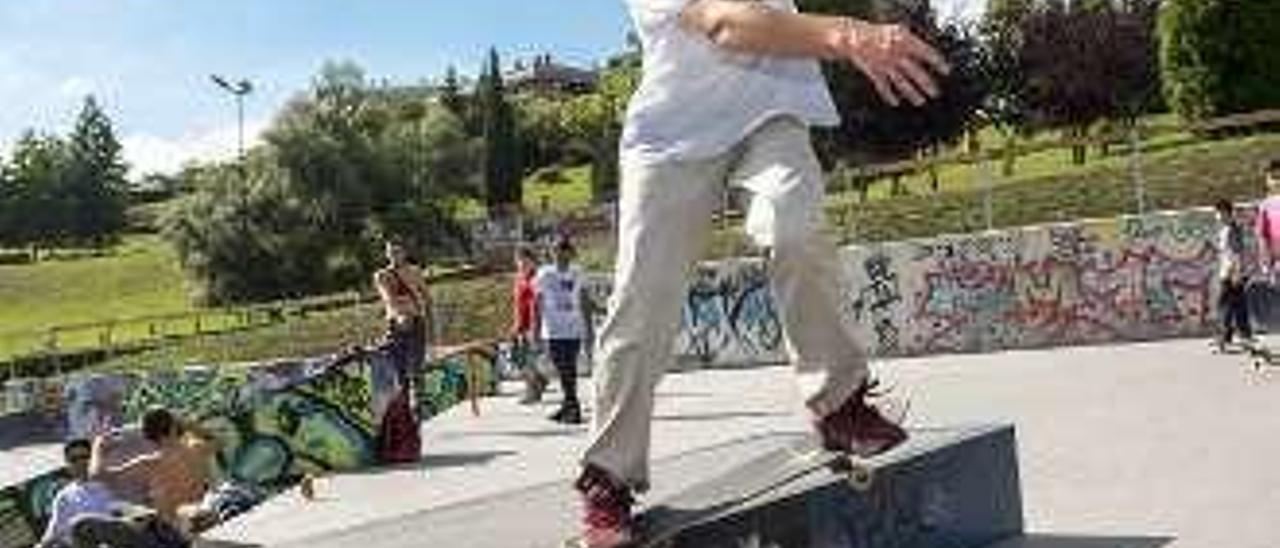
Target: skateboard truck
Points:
(857, 475)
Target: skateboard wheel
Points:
(860, 477)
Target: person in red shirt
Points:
(523, 337)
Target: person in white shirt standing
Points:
(1232, 302)
(562, 319)
(729, 91)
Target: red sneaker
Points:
(860, 428)
(606, 504)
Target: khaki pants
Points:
(665, 220)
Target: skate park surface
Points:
(1157, 444)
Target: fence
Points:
(61, 348)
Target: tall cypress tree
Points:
(501, 149)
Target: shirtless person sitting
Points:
(176, 476)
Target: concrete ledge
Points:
(952, 488)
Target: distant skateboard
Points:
(660, 526)
(1259, 354)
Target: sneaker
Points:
(606, 510)
(569, 413)
(534, 385)
(860, 428)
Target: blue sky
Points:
(149, 61)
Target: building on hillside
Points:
(545, 75)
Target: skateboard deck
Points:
(1258, 353)
(742, 488)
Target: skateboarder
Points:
(1231, 278)
(730, 89)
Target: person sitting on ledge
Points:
(176, 475)
(79, 498)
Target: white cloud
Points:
(148, 153)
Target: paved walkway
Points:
(1141, 446)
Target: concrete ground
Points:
(1140, 446)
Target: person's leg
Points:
(780, 169)
(664, 223)
(1225, 303)
(99, 531)
(1241, 311)
(665, 218)
(564, 354)
(534, 382)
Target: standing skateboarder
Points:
(730, 89)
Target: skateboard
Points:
(1258, 353)
(659, 527)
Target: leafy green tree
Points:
(502, 172)
(873, 131)
(343, 165)
(594, 121)
(1086, 63)
(38, 193)
(96, 185)
(1220, 57)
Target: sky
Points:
(149, 61)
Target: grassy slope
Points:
(1183, 174)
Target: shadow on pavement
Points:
(1035, 540)
(27, 429)
(428, 462)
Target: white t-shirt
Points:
(77, 499)
(560, 302)
(1230, 254)
(697, 100)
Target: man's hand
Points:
(897, 62)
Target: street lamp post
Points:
(239, 90)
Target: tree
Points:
(344, 165)
(502, 181)
(451, 94)
(37, 194)
(593, 121)
(871, 130)
(1084, 63)
(97, 189)
(1219, 56)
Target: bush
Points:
(15, 257)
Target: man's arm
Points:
(383, 286)
(57, 520)
(1263, 237)
(424, 295)
(535, 323)
(893, 58)
(586, 308)
(139, 467)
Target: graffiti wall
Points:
(1132, 278)
(275, 423)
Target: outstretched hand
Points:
(898, 63)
